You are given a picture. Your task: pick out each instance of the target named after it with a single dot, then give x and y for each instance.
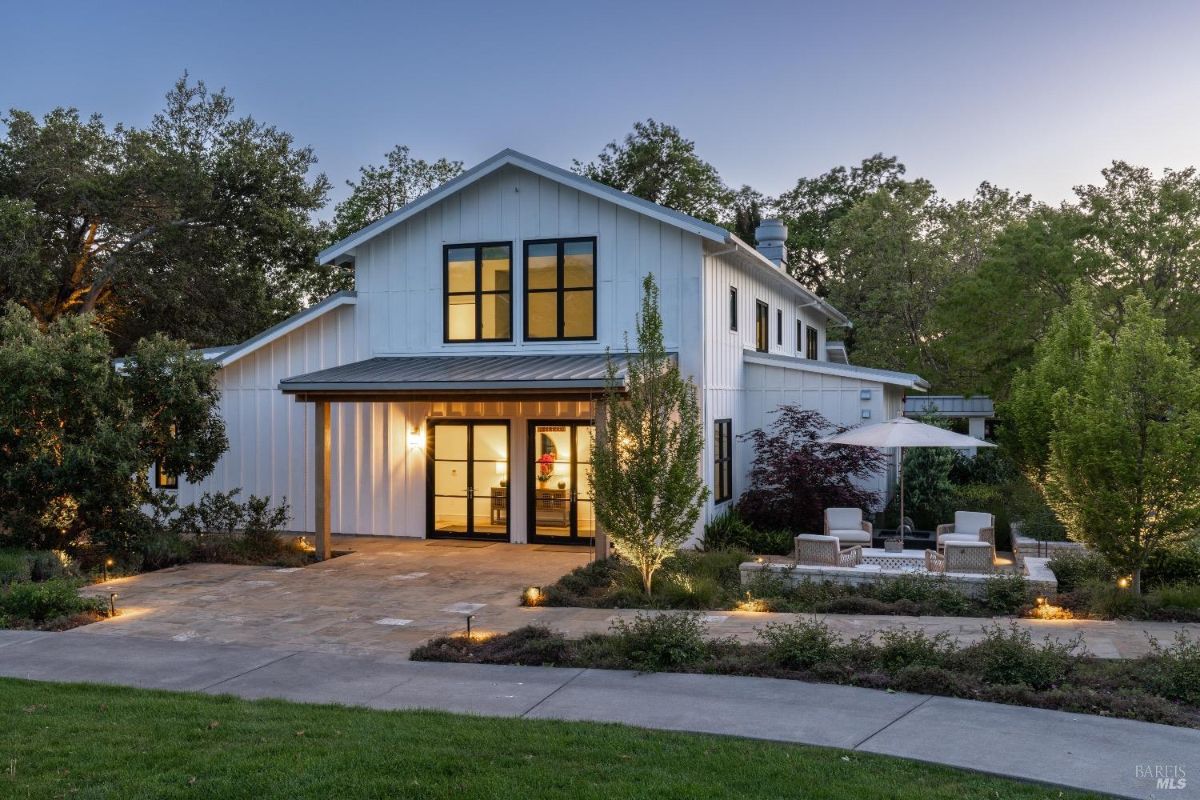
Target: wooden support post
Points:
(600, 409)
(322, 480)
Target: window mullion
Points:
(561, 299)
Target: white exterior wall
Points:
(399, 273)
(378, 481)
(725, 383)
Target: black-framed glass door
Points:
(560, 502)
(467, 490)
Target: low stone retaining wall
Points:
(1036, 572)
(1024, 547)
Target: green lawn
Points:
(84, 741)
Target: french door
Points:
(467, 486)
(560, 502)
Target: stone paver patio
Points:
(390, 595)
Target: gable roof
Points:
(669, 216)
(512, 157)
(260, 340)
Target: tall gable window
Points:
(762, 327)
(799, 336)
(478, 281)
(560, 289)
(722, 460)
(733, 308)
(811, 344)
(779, 327)
(162, 478)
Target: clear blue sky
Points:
(1036, 96)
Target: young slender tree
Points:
(646, 470)
(1124, 463)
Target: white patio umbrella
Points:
(900, 433)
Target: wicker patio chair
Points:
(848, 525)
(975, 558)
(968, 526)
(825, 551)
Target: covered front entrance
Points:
(468, 494)
(561, 507)
(481, 447)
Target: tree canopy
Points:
(1123, 472)
(655, 162)
(78, 437)
(383, 188)
(197, 226)
(646, 468)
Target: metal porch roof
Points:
(454, 374)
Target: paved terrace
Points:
(389, 595)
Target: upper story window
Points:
(478, 281)
(799, 336)
(779, 327)
(810, 344)
(560, 289)
(733, 309)
(762, 327)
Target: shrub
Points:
(1178, 595)
(1075, 568)
(14, 566)
(1008, 655)
(1175, 565)
(794, 477)
(730, 531)
(39, 603)
(684, 590)
(1108, 601)
(899, 648)
(799, 645)
(652, 642)
(1176, 669)
(926, 591)
(1006, 594)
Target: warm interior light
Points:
(1123, 583)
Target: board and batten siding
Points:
(724, 376)
(399, 273)
(377, 484)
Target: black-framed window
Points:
(779, 326)
(810, 343)
(722, 460)
(478, 292)
(762, 326)
(733, 308)
(799, 336)
(560, 289)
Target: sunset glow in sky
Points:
(1036, 96)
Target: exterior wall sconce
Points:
(416, 439)
(864, 394)
(866, 413)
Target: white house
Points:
(453, 393)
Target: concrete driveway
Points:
(390, 595)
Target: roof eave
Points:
(512, 157)
(745, 249)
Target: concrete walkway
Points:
(390, 595)
(1079, 751)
